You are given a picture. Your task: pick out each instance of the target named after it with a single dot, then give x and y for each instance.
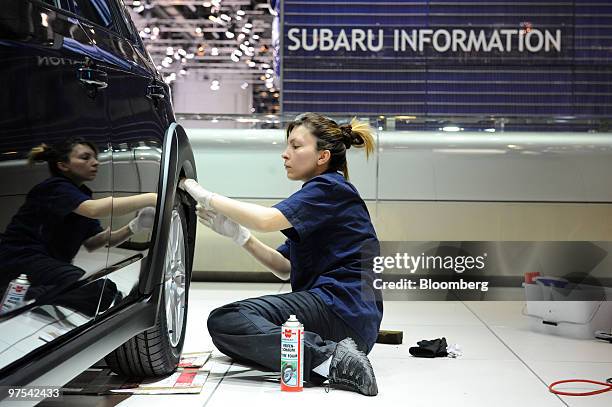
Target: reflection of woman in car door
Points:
(58, 216)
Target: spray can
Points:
(15, 293)
(292, 355)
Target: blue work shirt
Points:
(331, 246)
(46, 223)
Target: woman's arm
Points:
(103, 239)
(251, 216)
(269, 257)
(102, 208)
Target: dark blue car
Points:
(96, 240)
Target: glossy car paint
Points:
(63, 75)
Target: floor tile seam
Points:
(514, 353)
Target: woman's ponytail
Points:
(358, 134)
(41, 152)
(361, 135)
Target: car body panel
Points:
(45, 50)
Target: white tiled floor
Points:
(504, 364)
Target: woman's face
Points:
(82, 164)
(302, 160)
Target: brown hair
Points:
(59, 152)
(336, 138)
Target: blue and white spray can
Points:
(292, 355)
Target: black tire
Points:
(151, 353)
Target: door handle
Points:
(155, 92)
(93, 77)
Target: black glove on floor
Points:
(430, 349)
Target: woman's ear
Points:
(324, 157)
(62, 166)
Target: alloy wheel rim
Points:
(174, 279)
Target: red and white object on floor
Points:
(15, 293)
(292, 355)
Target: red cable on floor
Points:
(608, 387)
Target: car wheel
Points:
(157, 351)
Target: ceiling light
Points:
(229, 34)
(244, 85)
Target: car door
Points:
(51, 91)
(138, 118)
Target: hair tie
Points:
(347, 135)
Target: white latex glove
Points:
(198, 193)
(143, 221)
(454, 350)
(223, 225)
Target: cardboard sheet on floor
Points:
(189, 378)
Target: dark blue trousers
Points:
(249, 331)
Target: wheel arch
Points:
(177, 161)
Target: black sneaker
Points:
(350, 369)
